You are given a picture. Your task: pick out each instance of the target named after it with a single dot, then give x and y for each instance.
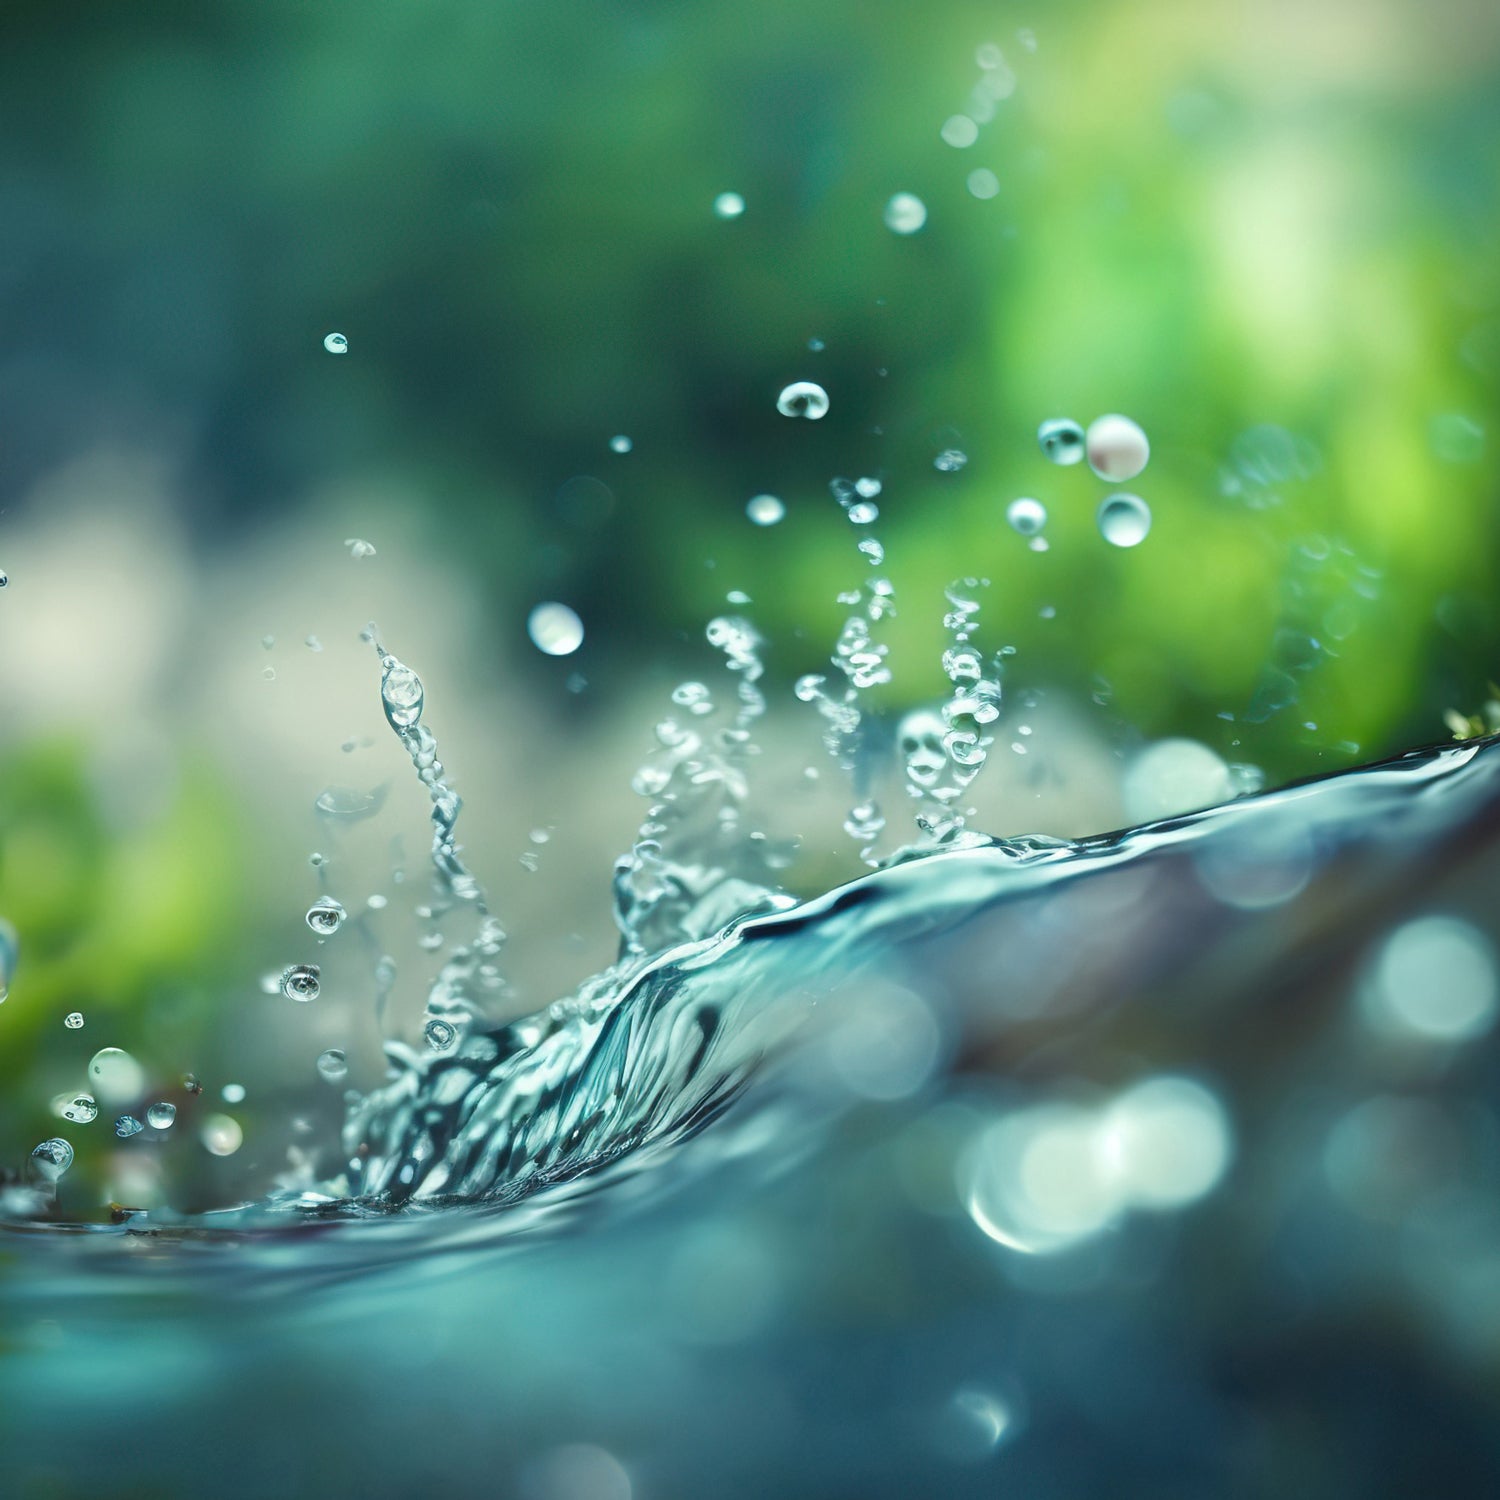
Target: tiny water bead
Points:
(620, 444)
(73, 1020)
(336, 343)
(4, 578)
(221, 1135)
(333, 1065)
(729, 205)
(765, 510)
(863, 512)
(127, 1126)
(51, 1159)
(554, 629)
(440, 1034)
(1116, 447)
(81, 1109)
(300, 982)
(161, 1115)
(116, 1074)
(1026, 516)
(1124, 520)
(326, 916)
(401, 694)
(905, 213)
(803, 398)
(359, 548)
(233, 1093)
(950, 460)
(1062, 441)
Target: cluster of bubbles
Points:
(1117, 450)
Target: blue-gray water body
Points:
(1179, 1178)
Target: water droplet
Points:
(4, 578)
(803, 398)
(333, 1065)
(905, 213)
(221, 1135)
(693, 696)
(950, 460)
(1062, 440)
(51, 1159)
(325, 916)
(960, 131)
(300, 982)
(313, 643)
(161, 1115)
(1124, 520)
(73, 1020)
(765, 510)
(232, 1093)
(555, 629)
(401, 694)
(127, 1126)
(729, 205)
(336, 343)
(440, 1034)
(1026, 516)
(816, 345)
(862, 512)
(1117, 448)
(620, 444)
(116, 1074)
(359, 548)
(81, 1109)
(983, 183)
(873, 551)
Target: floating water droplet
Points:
(73, 1020)
(300, 982)
(729, 205)
(51, 1159)
(555, 629)
(333, 1065)
(161, 1115)
(862, 512)
(1026, 516)
(440, 1034)
(950, 460)
(1062, 440)
(1124, 520)
(325, 916)
(960, 131)
(336, 343)
(359, 548)
(765, 510)
(221, 1135)
(116, 1074)
(816, 345)
(127, 1126)
(693, 696)
(401, 694)
(803, 398)
(232, 1093)
(873, 551)
(1116, 447)
(983, 183)
(81, 1109)
(905, 213)
(620, 444)
(313, 643)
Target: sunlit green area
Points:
(1271, 235)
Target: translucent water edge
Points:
(515, 1121)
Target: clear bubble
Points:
(1026, 516)
(1062, 441)
(81, 1109)
(127, 1126)
(116, 1074)
(333, 1065)
(1124, 520)
(905, 213)
(300, 982)
(336, 343)
(359, 548)
(440, 1034)
(950, 460)
(959, 131)
(1116, 448)
(729, 205)
(765, 510)
(620, 444)
(983, 183)
(51, 1159)
(221, 1135)
(325, 916)
(161, 1115)
(803, 398)
(73, 1020)
(554, 629)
